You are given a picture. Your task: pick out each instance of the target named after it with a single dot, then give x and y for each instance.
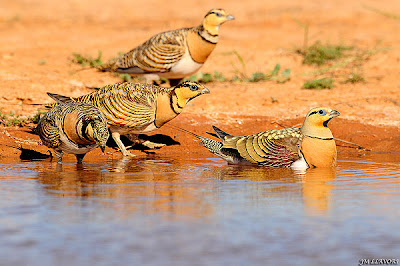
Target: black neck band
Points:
(318, 137)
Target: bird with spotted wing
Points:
(312, 145)
(172, 54)
(132, 109)
(73, 127)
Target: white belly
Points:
(185, 67)
(300, 164)
(72, 148)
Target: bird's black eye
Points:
(193, 87)
(218, 14)
(322, 112)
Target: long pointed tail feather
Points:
(212, 145)
(60, 99)
(220, 133)
(216, 147)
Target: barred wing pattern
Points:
(126, 104)
(48, 129)
(158, 54)
(51, 126)
(276, 148)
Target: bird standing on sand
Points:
(132, 109)
(75, 128)
(312, 145)
(172, 54)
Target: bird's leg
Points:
(174, 82)
(147, 143)
(79, 158)
(121, 146)
(59, 155)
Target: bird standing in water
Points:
(75, 128)
(312, 145)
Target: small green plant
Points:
(125, 77)
(42, 62)
(12, 119)
(87, 60)
(305, 37)
(207, 77)
(319, 54)
(3, 117)
(241, 74)
(16, 120)
(285, 76)
(35, 118)
(219, 76)
(354, 78)
(319, 84)
(257, 76)
(340, 62)
(275, 74)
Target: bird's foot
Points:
(152, 145)
(127, 153)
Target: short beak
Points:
(230, 17)
(205, 91)
(334, 113)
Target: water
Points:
(198, 212)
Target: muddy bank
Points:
(180, 145)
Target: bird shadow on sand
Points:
(32, 155)
(157, 138)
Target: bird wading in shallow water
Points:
(312, 145)
(75, 128)
(172, 54)
(132, 109)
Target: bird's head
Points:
(316, 122)
(187, 91)
(214, 18)
(97, 131)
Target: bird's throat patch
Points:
(199, 49)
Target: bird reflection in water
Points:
(128, 185)
(313, 185)
(176, 189)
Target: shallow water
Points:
(198, 212)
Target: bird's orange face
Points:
(316, 122)
(216, 17)
(320, 116)
(189, 90)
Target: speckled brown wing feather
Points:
(276, 148)
(126, 104)
(48, 128)
(158, 54)
(67, 118)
